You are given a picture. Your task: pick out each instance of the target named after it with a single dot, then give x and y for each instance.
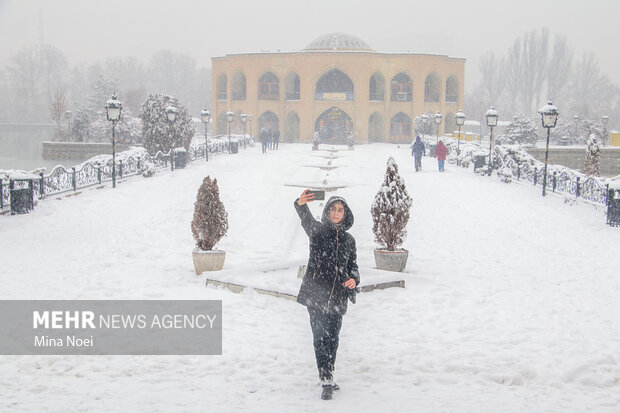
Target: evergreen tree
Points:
(128, 130)
(593, 155)
(521, 130)
(390, 209)
(101, 90)
(424, 124)
(210, 221)
(158, 133)
(80, 125)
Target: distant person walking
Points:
(270, 138)
(441, 151)
(276, 139)
(262, 137)
(417, 151)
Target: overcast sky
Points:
(89, 30)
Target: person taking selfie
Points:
(330, 280)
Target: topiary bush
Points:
(390, 209)
(210, 221)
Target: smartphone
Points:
(318, 195)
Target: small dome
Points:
(338, 41)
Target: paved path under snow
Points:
(511, 302)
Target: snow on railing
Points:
(98, 169)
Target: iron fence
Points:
(99, 171)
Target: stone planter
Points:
(391, 260)
(208, 260)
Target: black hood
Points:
(347, 221)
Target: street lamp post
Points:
(244, 119)
(460, 121)
(205, 117)
(605, 120)
(491, 116)
(68, 115)
(549, 116)
(230, 116)
(171, 114)
(438, 119)
(113, 109)
(250, 119)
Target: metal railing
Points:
(97, 172)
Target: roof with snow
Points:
(338, 41)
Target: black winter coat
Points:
(332, 260)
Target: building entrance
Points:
(333, 126)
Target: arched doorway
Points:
(269, 121)
(375, 128)
(400, 128)
(334, 125)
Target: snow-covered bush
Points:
(148, 169)
(128, 130)
(390, 209)
(158, 133)
(505, 174)
(593, 157)
(80, 125)
(521, 130)
(588, 127)
(424, 124)
(210, 221)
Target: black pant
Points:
(418, 162)
(325, 330)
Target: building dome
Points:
(338, 41)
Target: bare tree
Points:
(492, 71)
(559, 68)
(590, 89)
(58, 106)
(526, 68)
(35, 71)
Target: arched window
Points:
(400, 128)
(269, 121)
(269, 87)
(377, 87)
(452, 90)
(432, 88)
(291, 128)
(334, 85)
(375, 128)
(402, 88)
(238, 86)
(293, 86)
(221, 89)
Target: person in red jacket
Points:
(441, 152)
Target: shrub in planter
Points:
(390, 215)
(209, 225)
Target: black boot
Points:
(328, 391)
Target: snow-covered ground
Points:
(511, 301)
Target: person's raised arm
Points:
(308, 223)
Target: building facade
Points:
(337, 86)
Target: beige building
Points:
(337, 86)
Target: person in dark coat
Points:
(417, 150)
(330, 281)
(276, 139)
(270, 139)
(441, 152)
(262, 137)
